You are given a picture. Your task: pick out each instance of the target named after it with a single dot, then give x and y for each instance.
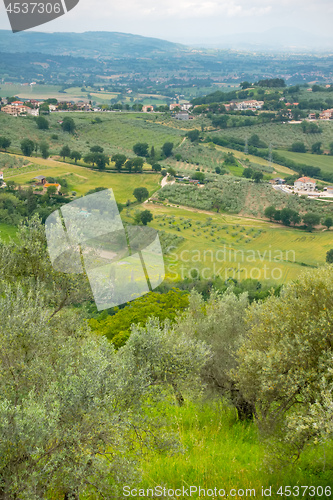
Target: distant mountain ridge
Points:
(92, 44)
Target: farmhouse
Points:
(329, 189)
(252, 104)
(327, 114)
(41, 179)
(305, 184)
(174, 105)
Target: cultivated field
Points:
(236, 247)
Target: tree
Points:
(193, 135)
(277, 215)
(97, 149)
(270, 212)
(295, 217)
(129, 165)
(172, 172)
(219, 322)
(285, 363)
(119, 161)
(67, 400)
(331, 148)
(245, 85)
(171, 358)
(146, 216)
(256, 142)
(76, 156)
(5, 142)
(316, 148)
(199, 176)
(156, 167)
(27, 147)
(167, 149)
(229, 159)
(44, 149)
(68, 125)
(141, 193)
(248, 173)
(138, 164)
(298, 147)
(51, 190)
(101, 161)
(285, 216)
(141, 149)
(328, 222)
(329, 256)
(44, 109)
(42, 123)
(310, 220)
(257, 176)
(152, 153)
(65, 152)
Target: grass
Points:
(117, 132)
(282, 135)
(83, 179)
(7, 231)
(237, 247)
(324, 162)
(219, 451)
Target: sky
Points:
(194, 21)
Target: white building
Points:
(305, 184)
(1, 176)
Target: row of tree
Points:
(288, 216)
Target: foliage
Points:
(286, 363)
(141, 193)
(42, 123)
(220, 323)
(146, 216)
(167, 149)
(68, 125)
(27, 147)
(141, 148)
(329, 256)
(162, 306)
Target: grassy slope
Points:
(83, 179)
(220, 452)
(324, 162)
(7, 231)
(283, 251)
(117, 132)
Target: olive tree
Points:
(286, 362)
(68, 406)
(220, 323)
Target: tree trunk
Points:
(178, 394)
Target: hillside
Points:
(90, 44)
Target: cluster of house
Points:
(31, 107)
(327, 114)
(173, 107)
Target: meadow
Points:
(220, 451)
(324, 162)
(81, 179)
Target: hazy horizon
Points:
(210, 23)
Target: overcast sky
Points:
(192, 21)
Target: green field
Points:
(282, 135)
(236, 247)
(7, 231)
(82, 179)
(324, 162)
